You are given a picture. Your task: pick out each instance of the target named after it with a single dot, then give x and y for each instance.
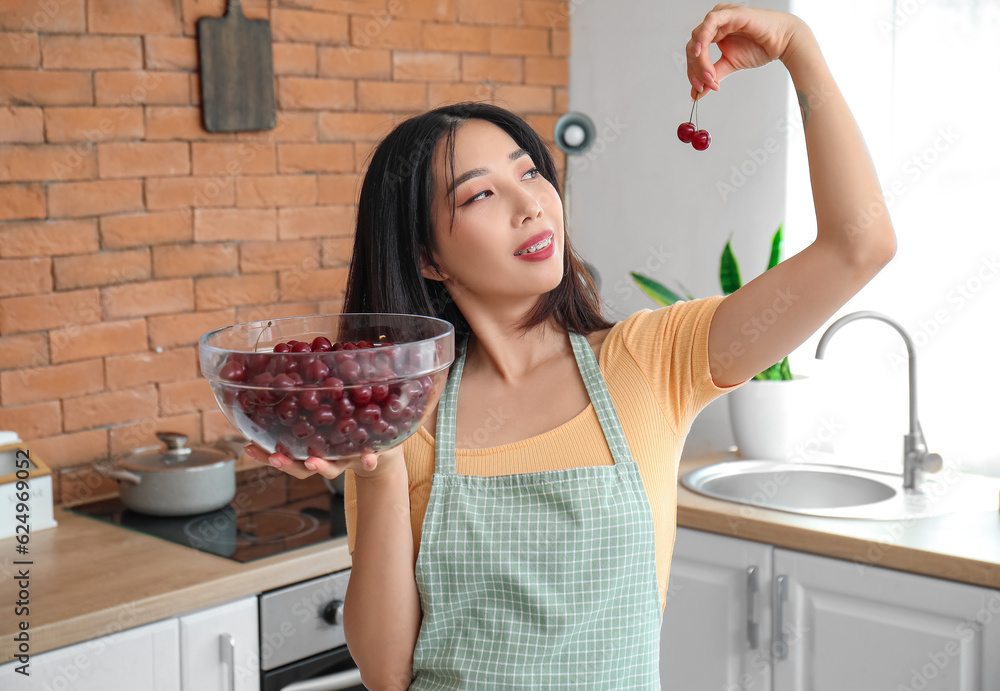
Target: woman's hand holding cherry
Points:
(747, 38)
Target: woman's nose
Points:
(529, 207)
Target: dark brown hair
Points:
(394, 227)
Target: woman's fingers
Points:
(328, 469)
(279, 461)
(256, 453)
(712, 29)
(745, 36)
(303, 469)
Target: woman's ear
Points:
(429, 272)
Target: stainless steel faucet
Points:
(915, 456)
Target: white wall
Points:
(640, 199)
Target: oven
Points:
(302, 645)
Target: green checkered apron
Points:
(540, 580)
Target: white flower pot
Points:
(772, 419)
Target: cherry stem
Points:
(696, 126)
(257, 342)
(691, 115)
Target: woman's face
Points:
(501, 203)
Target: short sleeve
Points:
(670, 347)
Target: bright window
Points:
(921, 79)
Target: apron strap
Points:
(444, 433)
(597, 389)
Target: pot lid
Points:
(176, 454)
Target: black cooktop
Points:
(270, 514)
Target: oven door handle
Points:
(331, 682)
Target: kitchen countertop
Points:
(90, 578)
(961, 547)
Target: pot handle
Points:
(119, 474)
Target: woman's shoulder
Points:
(597, 338)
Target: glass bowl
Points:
(330, 385)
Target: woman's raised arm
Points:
(854, 239)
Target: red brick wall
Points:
(127, 230)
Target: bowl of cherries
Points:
(331, 386)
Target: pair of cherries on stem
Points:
(689, 133)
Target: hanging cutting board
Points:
(237, 75)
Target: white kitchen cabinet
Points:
(214, 649)
(824, 624)
(858, 627)
(145, 658)
(220, 649)
(716, 625)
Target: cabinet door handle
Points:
(752, 626)
(779, 648)
(227, 650)
(331, 682)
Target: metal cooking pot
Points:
(177, 480)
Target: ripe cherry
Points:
(321, 344)
(393, 407)
(347, 426)
(344, 407)
(303, 429)
(361, 395)
(369, 414)
(317, 371)
(349, 371)
(256, 362)
(380, 392)
(334, 387)
(283, 381)
(288, 410)
(233, 371)
(310, 399)
(688, 132)
(324, 415)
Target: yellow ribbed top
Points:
(656, 367)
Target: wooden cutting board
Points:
(237, 75)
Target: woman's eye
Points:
(534, 173)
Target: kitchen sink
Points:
(833, 491)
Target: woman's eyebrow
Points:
(476, 172)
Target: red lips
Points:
(534, 239)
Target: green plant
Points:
(729, 278)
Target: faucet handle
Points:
(931, 463)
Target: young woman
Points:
(522, 537)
